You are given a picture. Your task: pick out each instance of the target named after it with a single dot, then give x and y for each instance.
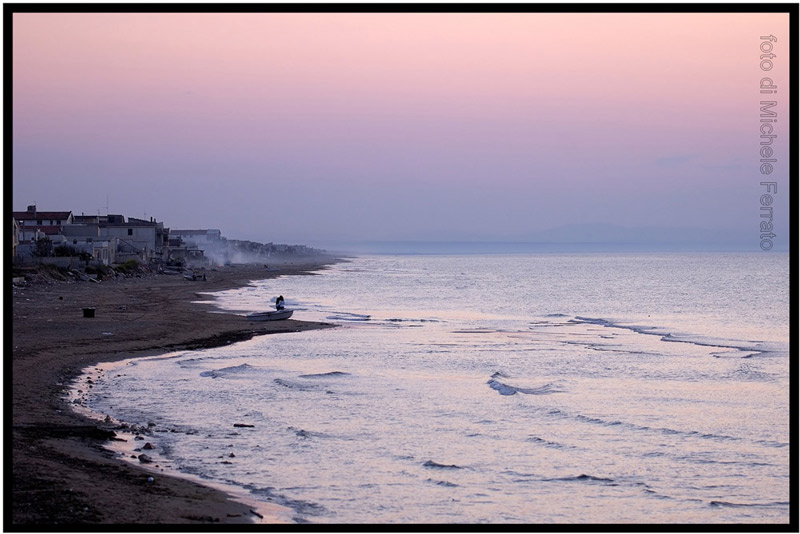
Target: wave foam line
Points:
(347, 316)
(225, 371)
(670, 338)
(726, 504)
(661, 430)
(505, 389)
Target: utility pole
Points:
(106, 206)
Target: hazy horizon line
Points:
(407, 247)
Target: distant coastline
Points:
(511, 247)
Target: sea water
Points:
(549, 388)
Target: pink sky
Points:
(592, 112)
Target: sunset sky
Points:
(332, 127)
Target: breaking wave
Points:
(436, 465)
(346, 316)
(227, 371)
(749, 348)
(582, 478)
(726, 504)
(506, 389)
(332, 374)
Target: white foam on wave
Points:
(506, 389)
(730, 347)
(227, 371)
(347, 316)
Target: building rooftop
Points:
(195, 232)
(41, 215)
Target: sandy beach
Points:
(62, 473)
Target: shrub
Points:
(53, 272)
(65, 250)
(43, 247)
(128, 267)
(100, 270)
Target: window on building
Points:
(39, 222)
(130, 231)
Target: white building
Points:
(145, 241)
(86, 238)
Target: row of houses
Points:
(61, 237)
(107, 239)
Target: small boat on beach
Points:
(274, 315)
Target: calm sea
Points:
(546, 388)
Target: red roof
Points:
(46, 230)
(42, 215)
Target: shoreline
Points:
(126, 445)
(63, 472)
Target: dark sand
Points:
(62, 473)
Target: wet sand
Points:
(62, 474)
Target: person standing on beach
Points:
(279, 303)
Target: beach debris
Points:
(148, 446)
(256, 514)
(231, 455)
(150, 480)
(243, 425)
(145, 459)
